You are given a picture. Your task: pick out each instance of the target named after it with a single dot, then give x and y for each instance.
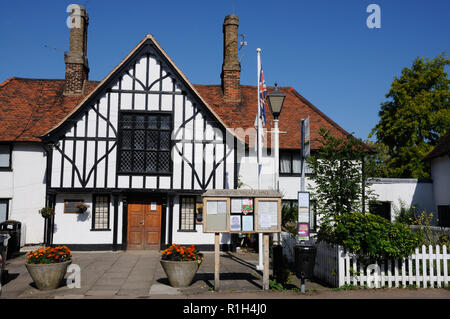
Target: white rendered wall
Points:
(25, 186)
(76, 228)
(410, 191)
(440, 173)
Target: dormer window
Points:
(144, 143)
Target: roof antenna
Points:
(242, 45)
(52, 48)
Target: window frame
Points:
(194, 223)
(94, 206)
(5, 200)
(123, 113)
(9, 167)
(291, 162)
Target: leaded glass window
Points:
(101, 212)
(187, 213)
(145, 143)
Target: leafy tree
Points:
(415, 116)
(338, 175)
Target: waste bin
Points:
(14, 229)
(305, 258)
(3, 251)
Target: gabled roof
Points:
(32, 108)
(442, 148)
(148, 39)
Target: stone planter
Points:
(180, 273)
(48, 276)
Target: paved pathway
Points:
(139, 275)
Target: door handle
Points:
(142, 222)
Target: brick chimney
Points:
(231, 68)
(77, 68)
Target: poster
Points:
(247, 223)
(221, 207)
(247, 206)
(303, 231)
(235, 223)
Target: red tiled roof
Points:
(31, 107)
(295, 108)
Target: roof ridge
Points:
(7, 81)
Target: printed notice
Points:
(247, 223)
(268, 214)
(211, 207)
(235, 223)
(153, 206)
(222, 207)
(236, 204)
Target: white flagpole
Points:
(260, 266)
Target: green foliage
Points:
(47, 212)
(274, 285)
(338, 175)
(415, 116)
(370, 237)
(289, 217)
(405, 215)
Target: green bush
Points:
(370, 237)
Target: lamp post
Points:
(276, 100)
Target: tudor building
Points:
(138, 148)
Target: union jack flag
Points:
(262, 96)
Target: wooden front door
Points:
(144, 224)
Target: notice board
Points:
(241, 211)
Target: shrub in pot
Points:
(180, 263)
(47, 266)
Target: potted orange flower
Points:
(47, 266)
(180, 263)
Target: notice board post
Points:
(241, 211)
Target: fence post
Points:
(438, 266)
(424, 266)
(444, 257)
(341, 266)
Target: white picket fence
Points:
(426, 268)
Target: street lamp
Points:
(276, 100)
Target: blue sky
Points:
(323, 49)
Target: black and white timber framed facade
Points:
(143, 133)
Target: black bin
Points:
(3, 251)
(14, 229)
(305, 258)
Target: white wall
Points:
(440, 173)
(76, 228)
(25, 186)
(410, 191)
